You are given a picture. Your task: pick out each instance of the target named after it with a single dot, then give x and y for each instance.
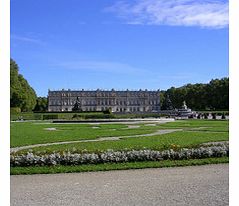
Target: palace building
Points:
(141, 101)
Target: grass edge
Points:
(114, 166)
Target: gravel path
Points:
(182, 186)
(165, 131)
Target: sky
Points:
(120, 44)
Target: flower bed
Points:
(110, 156)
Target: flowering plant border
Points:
(110, 156)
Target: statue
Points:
(186, 112)
(77, 106)
(184, 105)
(169, 105)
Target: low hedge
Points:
(50, 116)
(26, 116)
(15, 110)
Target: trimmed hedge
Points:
(50, 116)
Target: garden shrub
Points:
(37, 117)
(50, 116)
(15, 110)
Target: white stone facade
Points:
(100, 100)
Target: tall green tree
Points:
(218, 93)
(22, 95)
(41, 105)
(213, 96)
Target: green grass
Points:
(115, 166)
(197, 123)
(29, 133)
(158, 142)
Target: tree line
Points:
(211, 96)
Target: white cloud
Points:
(202, 13)
(26, 39)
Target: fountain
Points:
(185, 111)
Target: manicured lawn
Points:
(215, 124)
(158, 142)
(115, 166)
(194, 133)
(28, 133)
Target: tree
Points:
(22, 95)
(41, 105)
(218, 94)
(162, 100)
(213, 96)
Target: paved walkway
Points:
(165, 131)
(182, 186)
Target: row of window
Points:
(106, 102)
(132, 94)
(120, 109)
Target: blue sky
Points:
(148, 44)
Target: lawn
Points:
(159, 142)
(29, 133)
(194, 133)
(216, 124)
